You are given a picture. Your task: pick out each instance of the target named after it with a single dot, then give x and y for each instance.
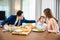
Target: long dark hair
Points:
(48, 14)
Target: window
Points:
(49, 4)
(28, 7)
(4, 6)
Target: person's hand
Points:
(37, 20)
(0, 26)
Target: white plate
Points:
(18, 30)
(34, 29)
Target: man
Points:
(17, 20)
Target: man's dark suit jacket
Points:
(11, 20)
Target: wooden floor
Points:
(31, 36)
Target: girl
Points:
(41, 24)
(52, 25)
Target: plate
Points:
(18, 30)
(35, 29)
(38, 30)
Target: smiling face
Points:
(42, 19)
(20, 17)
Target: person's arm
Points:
(28, 21)
(6, 21)
(48, 25)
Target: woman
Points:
(52, 21)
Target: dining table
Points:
(31, 36)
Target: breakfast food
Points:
(25, 30)
(16, 27)
(18, 30)
(9, 26)
(31, 26)
(40, 29)
(22, 31)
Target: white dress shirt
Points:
(17, 21)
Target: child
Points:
(41, 24)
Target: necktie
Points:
(18, 23)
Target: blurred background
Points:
(32, 9)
